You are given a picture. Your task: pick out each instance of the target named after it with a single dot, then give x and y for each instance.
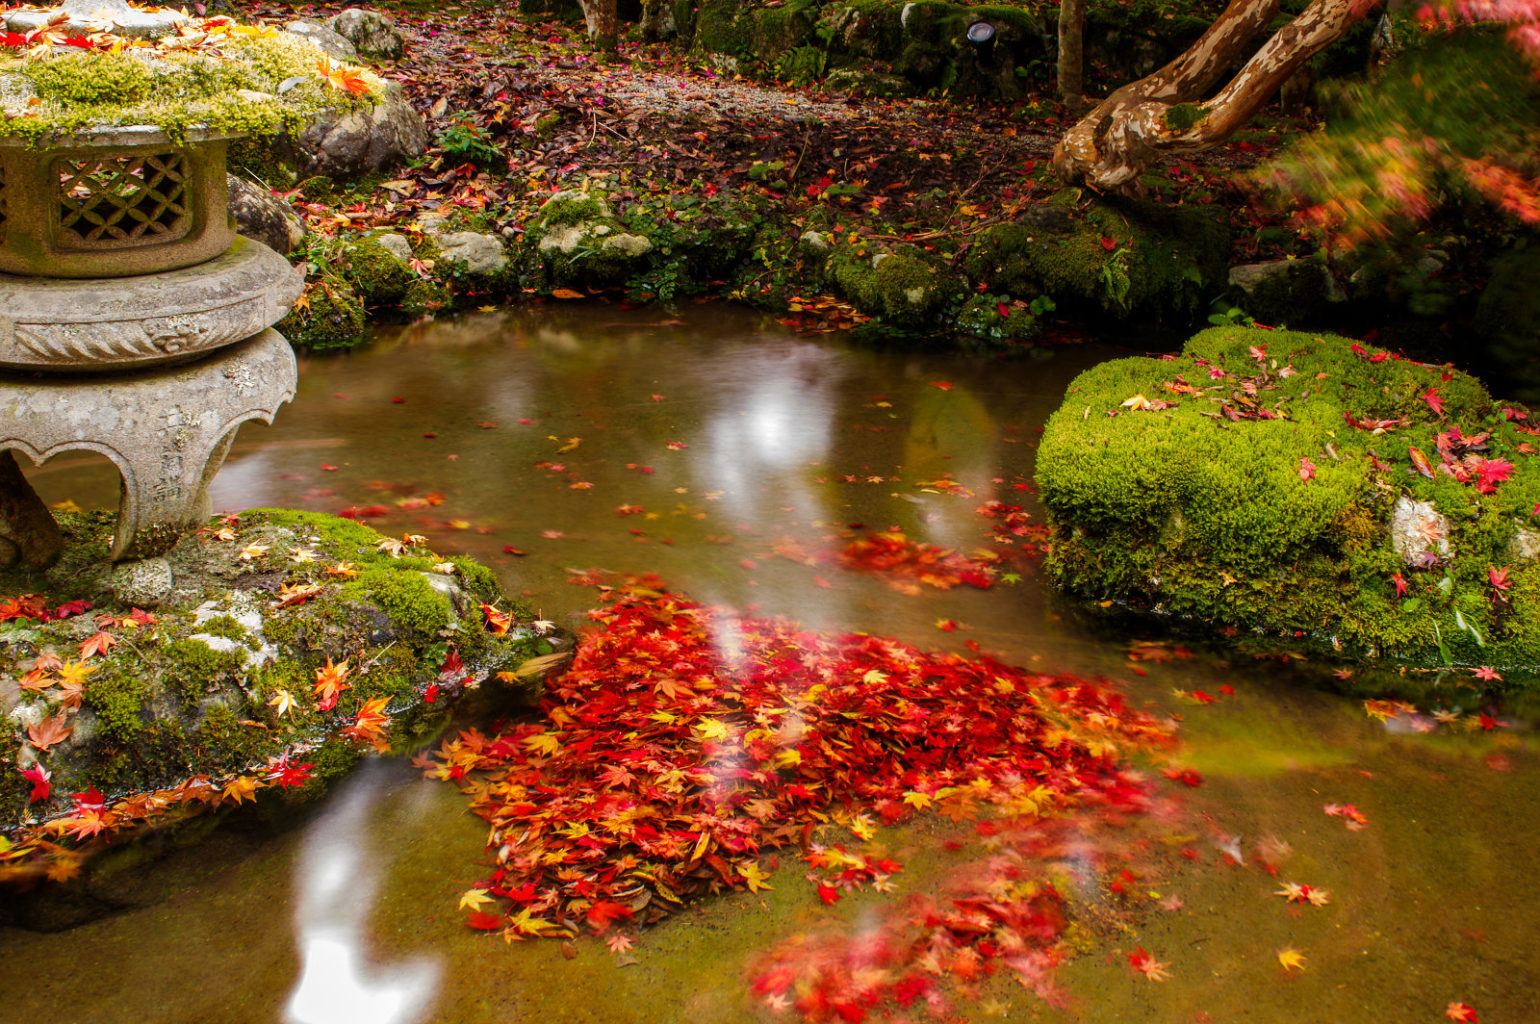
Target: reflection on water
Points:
(336, 879)
(588, 438)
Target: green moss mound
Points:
(219, 684)
(231, 85)
(1252, 482)
(330, 317)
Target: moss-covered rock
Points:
(329, 316)
(217, 698)
(230, 84)
(1130, 260)
(379, 276)
(906, 288)
(1253, 483)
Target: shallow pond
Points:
(547, 441)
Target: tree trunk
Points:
(1072, 52)
(1111, 146)
(602, 22)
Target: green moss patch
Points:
(254, 83)
(215, 698)
(1252, 483)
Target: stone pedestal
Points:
(166, 429)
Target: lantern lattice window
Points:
(112, 200)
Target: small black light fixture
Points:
(981, 36)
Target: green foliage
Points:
(1455, 113)
(465, 141)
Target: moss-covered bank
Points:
(232, 691)
(1302, 485)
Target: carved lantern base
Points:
(166, 429)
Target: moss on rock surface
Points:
(1126, 260)
(329, 316)
(214, 698)
(231, 84)
(1270, 480)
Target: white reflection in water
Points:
(336, 880)
(771, 419)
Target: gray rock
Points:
(1525, 545)
(88, 16)
(333, 45)
(396, 245)
(1417, 528)
(346, 144)
(816, 242)
(481, 254)
(263, 217)
(372, 34)
(142, 584)
(631, 245)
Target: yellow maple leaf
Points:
(283, 700)
(543, 743)
(473, 899)
(712, 729)
(919, 801)
(1291, 959)
(240, 788)
(754, 877)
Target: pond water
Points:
(722, 436)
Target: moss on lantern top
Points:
(235, 84)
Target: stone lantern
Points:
(134, 322)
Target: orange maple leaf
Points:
(329, 683)
(342, 77)
(242, 787)
(97, 643)
(48, 732)
(371, 722)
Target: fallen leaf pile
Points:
(686, 741)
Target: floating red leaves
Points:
(727, 735)
(906, 564)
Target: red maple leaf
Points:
(602, 913)
(1499, 578)
(1434, 400)
(1400, 584)
(1306, 469)
(38, 776)
(1490, 473)
(484, 921)
(1462, 1013)
(49, 732)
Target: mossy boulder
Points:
(1133, 260)
(216, 700)
(905, 288)
(1304, 486)
(578, 241)
(329, 316)
(378, 275)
